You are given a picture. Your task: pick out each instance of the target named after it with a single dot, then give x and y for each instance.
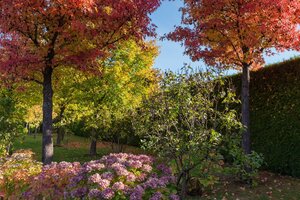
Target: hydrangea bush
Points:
(52, 181)
(115, 176)
(16, 172)
(123, 176)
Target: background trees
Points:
(236, 34)
(126, 78)
(39, 36)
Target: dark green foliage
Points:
(275, 115)
(11, 122)
(121, 133)
(78, 128)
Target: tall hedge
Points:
(275, 115)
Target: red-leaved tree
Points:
(37, 36)
(237, 33)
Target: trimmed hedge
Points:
(275, 115)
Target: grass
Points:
(73, 148)
(270, 186)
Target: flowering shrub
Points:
(116, 176)
(52, 181)
(187, 121)
(123, 176)
(16, 172)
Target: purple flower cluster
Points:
(137, 193)
(156, 196)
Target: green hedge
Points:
(275, 115)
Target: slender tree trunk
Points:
(59, 136)
(246, 142)
(47, 144)
(93, 147)
(183, 191)
(28, 128)
(35, 131)
(62, 135)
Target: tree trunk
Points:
(62, 134)
(183, 191)
(246, 142)
(59, 136)
(47, 144)
(93, 147)
(28, 128)
(35, 131)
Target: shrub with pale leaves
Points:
(52, 181)
(16, 172)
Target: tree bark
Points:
(28, 128)
(93, 147)
(59, 136)
(47, 144)
(62, 135)
(183, 191)
(35, 131)
(246, 142)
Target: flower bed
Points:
(123, 176)
(115, 176)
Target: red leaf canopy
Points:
(34, 33)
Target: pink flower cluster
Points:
(122, 176)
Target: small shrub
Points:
(16, 172)
(246, 165)
(123, 176)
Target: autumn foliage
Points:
(66, 32)
(39, 36)
(233, 32)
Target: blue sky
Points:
(171, 53)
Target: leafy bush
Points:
(16, 173)
(186, 121)
(123, 176)
(246, 165)
(52, 181)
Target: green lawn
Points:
(73, 148)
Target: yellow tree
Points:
(126, 78)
